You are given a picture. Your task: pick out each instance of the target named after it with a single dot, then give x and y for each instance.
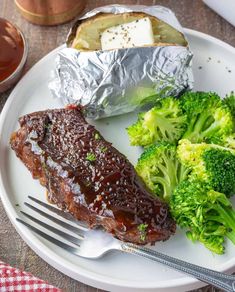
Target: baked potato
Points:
(86, 34)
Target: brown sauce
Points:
(108, 185)
(11, 49)
(85, 175)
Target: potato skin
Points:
(85, 34)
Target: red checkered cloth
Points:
(12, 279)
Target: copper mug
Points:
(50, 12)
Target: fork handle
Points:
(217, 279)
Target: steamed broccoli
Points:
(190, 162)
(207, 214)
(208, 118)
(229, 140)
(160, 169)
(211, 163)
(229, 101)
(164, 122)
(197, 116)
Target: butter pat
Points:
(137, 33)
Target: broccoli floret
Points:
(229, 141)
(211, 163)
(160, 169)
(228, 138)
(208, 118)
(229, 101)
(207, 214)
(164, 122)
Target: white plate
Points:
(214, 69)
(225, 8)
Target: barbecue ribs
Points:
(86, 176)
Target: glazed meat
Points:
(86, 176)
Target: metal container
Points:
(50, 12)
(10, 68)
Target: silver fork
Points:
(93, 244)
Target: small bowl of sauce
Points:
(13, 54)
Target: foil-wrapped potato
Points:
(121, 58)
(86, 34)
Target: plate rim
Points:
(89, 277)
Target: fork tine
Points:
(74, 229)
(59, 212)
(66, 236)
(57, 242)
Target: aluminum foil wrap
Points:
(119, 81)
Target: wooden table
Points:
(191, 13)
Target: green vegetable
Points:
(97, 136)
(229, 101)
(143, 230)
(164, 122)
(211, 163)
(103, 149)
(189, 161)
(47, 126)
(160, 169)
(229, 141)
(197, 116)
(206, 214)
(208, 118)
(91, 157)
